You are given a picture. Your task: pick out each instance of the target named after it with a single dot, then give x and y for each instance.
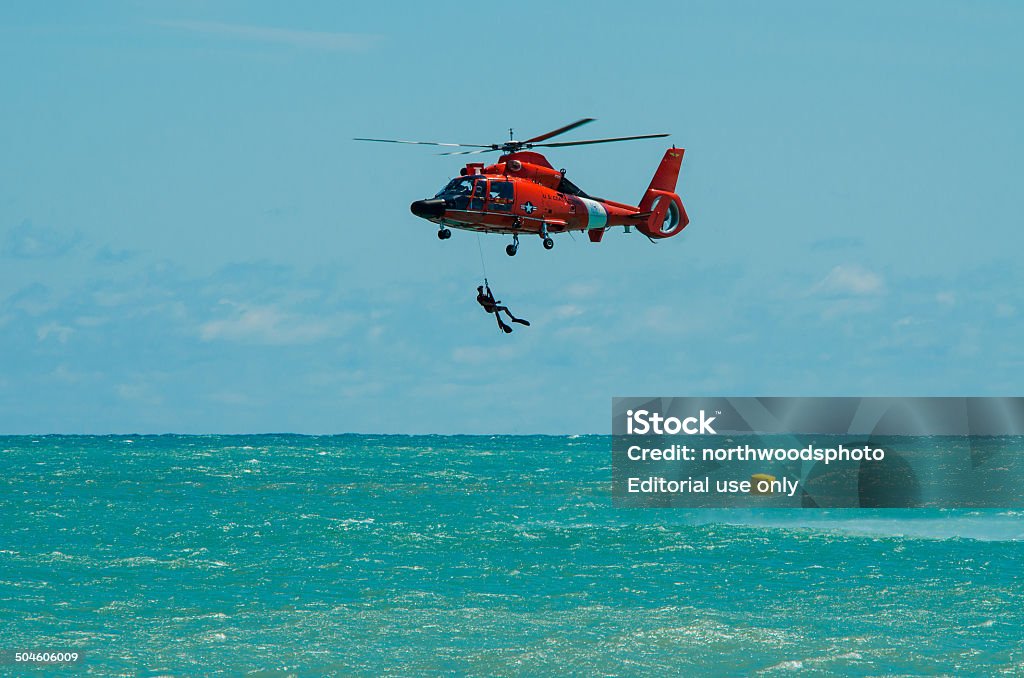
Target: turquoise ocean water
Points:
(352, 554)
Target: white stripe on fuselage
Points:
(597, 215)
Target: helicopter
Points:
(522, 193)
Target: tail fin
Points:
(668, 216)
(668, 171)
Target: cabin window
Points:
(500, 196)
(479, 193)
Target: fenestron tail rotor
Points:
(512, 145)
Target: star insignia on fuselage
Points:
(528, 207)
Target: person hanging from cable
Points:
(492, 305)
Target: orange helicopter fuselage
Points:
(523, 194)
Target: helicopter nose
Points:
(428, 209)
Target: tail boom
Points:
(660, 214)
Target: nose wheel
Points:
(548, 243)
(444, 234)
(513, 247)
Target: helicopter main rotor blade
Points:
(482, 150)
(560, 130)
(600, 141)
(422, 143)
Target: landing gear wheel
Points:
(511, 250)
(444, 234)
(548, 243)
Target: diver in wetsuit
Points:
(492, 305)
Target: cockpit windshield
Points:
(456, 187)
(465, 193)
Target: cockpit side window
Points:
(479, 193)
(500, 196)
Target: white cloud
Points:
(576, 332)
(567, 311)
(668, 319)
(26, 241)
(1004, 310)
(138, 393)
(263, 325)
(582, 290)
(59, 332)
(906, 321)
(839, 307)
(946, 298)
(479, 355)
(851, 280)
(69, 375)
(322, 40)
(232, 398)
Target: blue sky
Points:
(191, 242)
